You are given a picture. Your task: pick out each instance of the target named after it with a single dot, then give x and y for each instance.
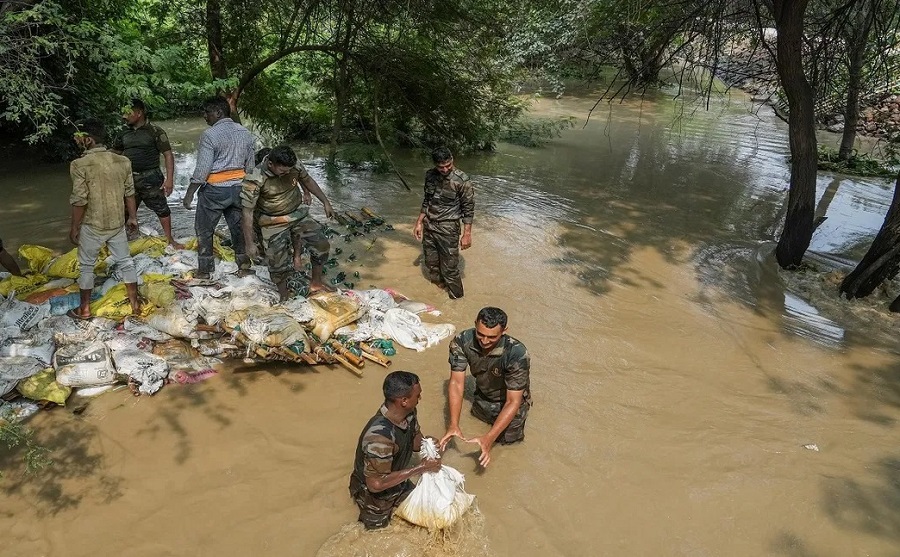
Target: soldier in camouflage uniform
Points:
(272, 196)
(381, 472)
(449, 199)
(143, 142)
(501, 367)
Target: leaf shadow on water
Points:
(77, 474)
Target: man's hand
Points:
(252, 251)
(485, 445)
(307, 197)
(451, 433)
(329, 210)
(73, 235)
(131, 224)
(188, 199)
(417, 231)
(465, 242)
(430, 465)
(168, 186)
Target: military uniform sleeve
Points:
(458, 360)
(518, 366)
(467, 201)
(378, 454)
(429, 192)
(301, 171)
(162, 140)
(79, 197)
(250, 189)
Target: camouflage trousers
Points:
(488, 411)
(375, 512)
(440, 247)
(280, 247)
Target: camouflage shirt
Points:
(385, 447)
(101, 180)
(506, 367)
(273, 195)
(142, 146)
(450, 197)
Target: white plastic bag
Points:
(270, 327)
(84, 365)
(172, 321)
(439, 499)
(23, 315)
(37, 344)
(148, 370)
(16, 368)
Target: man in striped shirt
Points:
(225, 154)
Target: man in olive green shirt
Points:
(143, 142)
(101, 179)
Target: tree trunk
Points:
(857, 41)
(882, 261)
(340, 104)
(798, 224)
(214, 40)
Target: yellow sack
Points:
(154, 246)
(159, 293)
(115, 305)
(66, 266)
(331, 311)
(224, 253)
(24, 286)
(43, 386)
(36, 257)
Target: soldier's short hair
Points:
(138, 104)
(283, 156)
(399, 384)
(217, 105)
(441, 154)
(94, 128)
(262, 154)
(490, 317)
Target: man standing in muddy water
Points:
(501, 367)
(225, 154)
(101, 180)
(449, 199)
(273, 196)
(143, 142)
(381, 472)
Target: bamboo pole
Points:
(374, 355)
(342, 350)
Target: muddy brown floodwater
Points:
(677, 374)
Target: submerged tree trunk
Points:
(341, 86)
(798, 224)
(857, 39)
(882, 261)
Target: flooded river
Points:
(690, 399)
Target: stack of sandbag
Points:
(439, 499)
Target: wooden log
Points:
(369, 213)
(352, 218)
(309, 359)
(208, 328)
(374, 355)
(342, 350)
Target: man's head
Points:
(443, 160)
(401, 388)
(135, 112)
(215, 108)
(490, 325)
(90, 133)
(281, 160)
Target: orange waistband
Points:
(225, 176)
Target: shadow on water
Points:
(78, 472)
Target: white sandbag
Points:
(249, 291)
(148, 370)
(332, 311)
(16, 368)
(405, 329)
(172, 321)
(125, 341)
(439, 498)
(270, 327)
(9, 332)
(436, 332)
(137, 327)
(23, 315)
(84, 365)
(299, 308)
(71, 331)
(36, 343)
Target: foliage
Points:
(535, 132)
(14, 434)
(859, 164)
